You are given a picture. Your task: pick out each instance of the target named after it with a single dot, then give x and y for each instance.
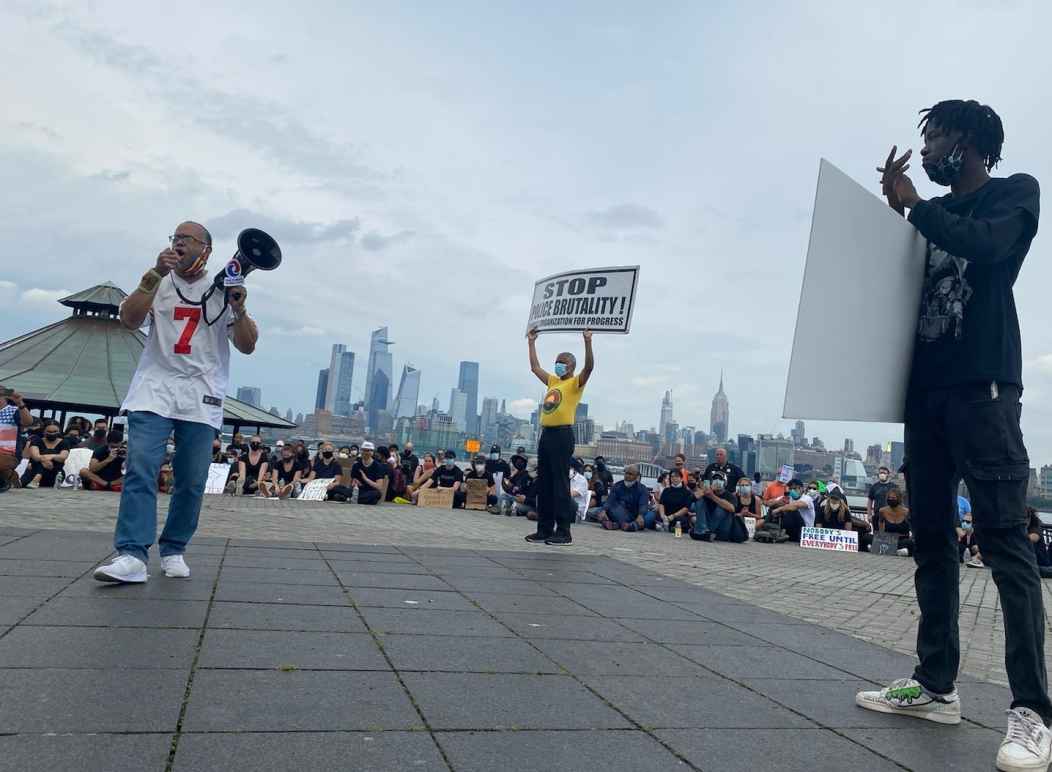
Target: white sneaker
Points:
(175, 567)
(123, 568)
(975, 562)
(906, 697)
(903, 553)
(1027, 744)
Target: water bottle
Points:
(679, 529)
(354, 495)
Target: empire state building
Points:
(721, 414)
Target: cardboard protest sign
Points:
(439, 498)
(829, 539)
(750, 525)
(864, 272)
(786, 473)
(884, 543)
(597, 299)
(217, 475)
(315, 490)
(477, 494)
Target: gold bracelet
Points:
(151, 280)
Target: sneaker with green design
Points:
(906, 697)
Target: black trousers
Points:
(555, 507)
(972, 432)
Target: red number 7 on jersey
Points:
(192, 317)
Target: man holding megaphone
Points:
(178, 387)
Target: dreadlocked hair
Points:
(976, 122)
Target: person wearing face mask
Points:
(409, 461)
(178, 388)
(253, 467)
(962, 420)
(396, 479)
(798, 512)
(519, 485)
(478, 471)
(598, 493)
(876, 499)
(218, 455)
(602, 472)
(713, 510)
(449, 475)
(579, 490)
(105, 471)
(555, 506)
(370, 475)
(893, 517)
(233, 476)
(237, 445)
(628, 504)
(747, 503)
(47, 455)
(834, 513)
(284, 479)
(675, 504)
(98, 436)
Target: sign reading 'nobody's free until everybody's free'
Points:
(596, 299)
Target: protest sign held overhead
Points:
(596, 299)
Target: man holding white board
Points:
(962, 420)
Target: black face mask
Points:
(519, 465)
(947, 170)
(326, 454)
(893, 503)
(255, 445)
(51, 435)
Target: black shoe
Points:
(1046, 572)
(537, 538)
(559, 540)
(709, 537)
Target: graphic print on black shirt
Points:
(968, 329)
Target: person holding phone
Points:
(105, 471)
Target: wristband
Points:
(151, 280)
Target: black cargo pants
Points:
(972, 432)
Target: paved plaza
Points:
(331, 636)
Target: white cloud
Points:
(521, 408)
(1042, 364)
(307, 330)
(43, 298)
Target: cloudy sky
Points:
(423, 163)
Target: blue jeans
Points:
(619, 514)
(715, 520)
(137, 519)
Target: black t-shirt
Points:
(486, 475)
(732, 472)
(598, 488)
(241, 450)
(409, 464)
(444, 477)
(376, 471)
(968, 330)
(112, 471)
(878, 494)
(285, 476)
(323, 470)
(674, 499)
(753, 506)
(711, 506)
(38, 443)
(495, 465)
(518, 484)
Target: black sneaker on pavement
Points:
(536, 538)
(559, 540)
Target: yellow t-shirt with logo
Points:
(560, 403)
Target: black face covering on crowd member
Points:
(947, 170)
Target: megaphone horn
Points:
(255, 249)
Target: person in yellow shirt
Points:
(555, 507)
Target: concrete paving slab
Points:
(829, 703)
(543, 751)
(93, 647)
(417, 621)
(313, 563)
(351, 751)
(359, 579)
(692, 702)
(14, 609)
(376, 567)
(235, 544)
(251, 553)
(417, 599)
(285, 616)
(774, 750)
(346, 547)
(247, 592)
(465, 654)
(922, 746)
(109, 752)
(104, 612)
(527, 604)
(473, 701)
(612, 658)
(272, 649)
(54, 568)
(571, 628)
(322, 576)
(691, 631)
(158, 587)
(755, 662)
(275, 701)
(80, 701)
(489, 584)
(39, 587)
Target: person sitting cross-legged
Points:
(713, 510)
(798, 512)
(422, 477)
(627, 505)
(47, 454)
(479, 471)
(449, 475)
(284, 478)
(674, 506)
(369, 475)
(105, 471)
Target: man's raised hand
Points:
(531, 336)
(587, 336)
(891, 169)
(166, 261)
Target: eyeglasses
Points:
(185, 237)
